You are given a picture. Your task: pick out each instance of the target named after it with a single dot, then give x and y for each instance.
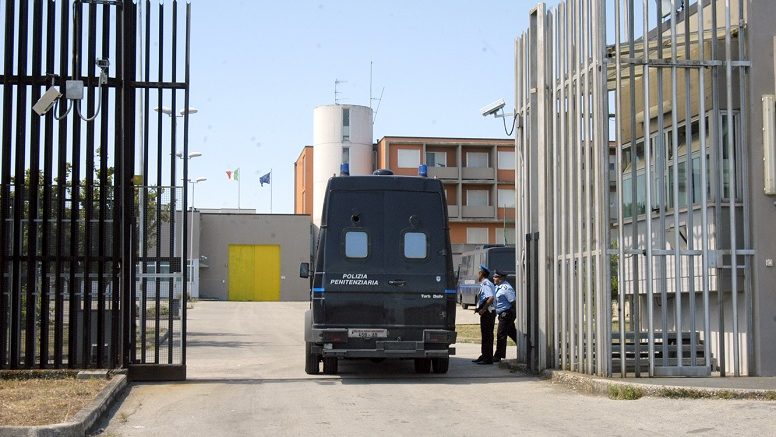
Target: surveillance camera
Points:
(492, 108)
(102, 63)
(46, 101)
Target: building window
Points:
(476, 235)
(506, 198)
(436, 159)
(345, 124)
(476, 197)
(505, 236)
(415, 245)
(506, 160)
(477, 159)
(356, 244)
(345, 155)
(409, 158)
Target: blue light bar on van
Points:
(318, 290)
(423, 170)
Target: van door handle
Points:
(398, 283)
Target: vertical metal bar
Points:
(586, 132)
(122, 304)
(89, 188)
(554, 165)
(187, 81)
(102, 202)
(33, 196)
(634, 245)
(716, 169)
(75, 212)
(563, 77)
(648, 185)
(690, 192)
(675, 151)
(744, 139)
(704, 190)
(59, 288)
(579, 134)
(143, 225)
(48, 160)
(731, 131)
(660, 169)
(160, 191)
(127, 165)
(620, 194)
(5, 186)
(173, 182)
(18, 198)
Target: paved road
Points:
(246, 377)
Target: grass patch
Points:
(624, 392)
(471, 334)
(31, 401)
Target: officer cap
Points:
(485, 270)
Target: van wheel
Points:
(440, 365)
(330, 365)
(311, 360)
(465, 306)
(422, 365)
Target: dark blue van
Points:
(493, 256)
(382, 284)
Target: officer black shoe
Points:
(480, 358)
(497, 359)
(485, 362)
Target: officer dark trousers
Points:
(487, 323)
(506, 328)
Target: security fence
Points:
(634, 196)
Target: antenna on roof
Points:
(371, 99)
(336, 90)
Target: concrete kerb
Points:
(80, 424)
(626, 390)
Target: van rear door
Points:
(385, 260)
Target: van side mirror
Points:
(304, 270)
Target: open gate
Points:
(633, 167)
(91, 254)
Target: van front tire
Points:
(422, 365)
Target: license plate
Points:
(367, 333)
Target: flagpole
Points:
(238, 193)
(270, 191)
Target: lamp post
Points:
(191, 234)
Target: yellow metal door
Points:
(254, 272)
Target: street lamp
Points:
(191, 233)
(167, 110)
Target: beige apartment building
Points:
(478, 175)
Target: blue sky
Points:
(259, 68)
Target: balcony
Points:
(478, 211)
(443, 172)
(478, 173)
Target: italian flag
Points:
(233, 175)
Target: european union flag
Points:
(264, 179)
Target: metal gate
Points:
(75, 229)
(632, 120)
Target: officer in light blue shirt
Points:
(506, 313)
(487, 314)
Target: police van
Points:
(382, 283)
(494, 257)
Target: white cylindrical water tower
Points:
(341, 133)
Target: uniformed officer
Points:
(506, 313)
(487, 314)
